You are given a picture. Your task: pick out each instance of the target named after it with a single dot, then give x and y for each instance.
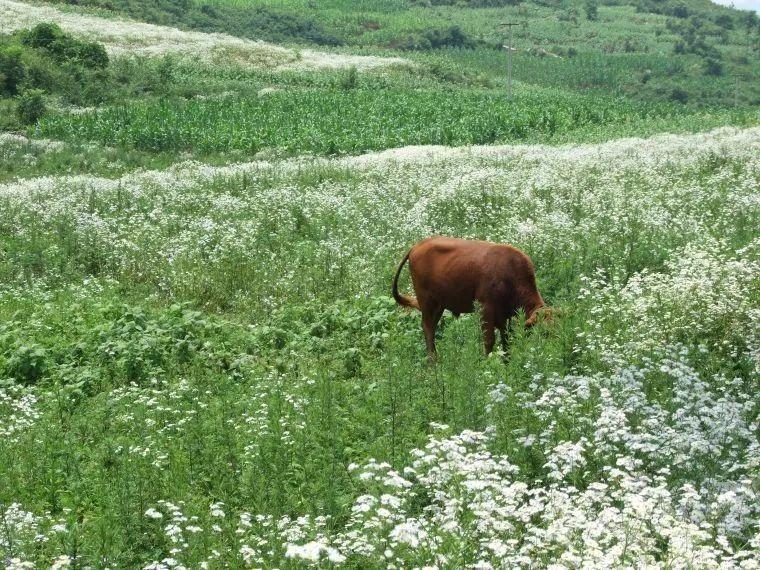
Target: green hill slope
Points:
(695, 52)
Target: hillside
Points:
(647, 49)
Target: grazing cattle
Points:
(450, 273)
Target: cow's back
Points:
(456, 272)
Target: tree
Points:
(592, 10)
(750, 21)
(713, 67)
(11, 70)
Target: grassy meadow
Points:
(201, 364)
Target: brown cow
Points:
(450, 273)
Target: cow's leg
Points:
(431, 314)
(488, 324)
(505, 329)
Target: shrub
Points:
(46, 58)
(31, 106)
(349, 79)
(725, 21)
(668, 8)
(11, 70)
(166, 70)
(713, 67)
(693, 37)
(26, 363)
(448, 72)
(64, 48)
(42, 36)
(750, 21)
(679, 95)
(453, 36)
(91, 55)
(630, 45)
(569, 15)
(592, 10)
(680, 11)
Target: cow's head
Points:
(542, 313)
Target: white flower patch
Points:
(565, 458)
(62, 561)
(409, 533)
(128, 37)
(15, 146)
(19, 525)
(179, 227)
(18, 412)
(25, 535)
(217, 510)
(478, 510)
(313, 552)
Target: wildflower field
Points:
(201, 365)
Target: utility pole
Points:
(737, 75)
(509, 47)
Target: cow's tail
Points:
(403, 300)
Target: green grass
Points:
(383, 415)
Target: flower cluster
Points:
(18, 411)
(459, 505)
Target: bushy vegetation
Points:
(45, 64)
(31, 106)
(452, 36)
(63, 48)
(44, 60)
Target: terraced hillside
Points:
(646, 49)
